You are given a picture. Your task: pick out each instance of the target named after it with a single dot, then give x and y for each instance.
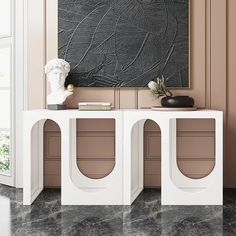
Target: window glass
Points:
(5, 67)
(5, 88)
(5, 17)
(5, 109)
(5, 152)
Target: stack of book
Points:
(94, 106)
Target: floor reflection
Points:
(5, 220)
(145, 217)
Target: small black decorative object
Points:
(177, 101)
(159, 89)
(56, 107)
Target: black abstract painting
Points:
(124, 43)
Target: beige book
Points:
(94, 108)
(94, 104)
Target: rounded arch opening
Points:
(52, 154)
(152, 154)
(145, 162)
(96, 148)
(195, 147)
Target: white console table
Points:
(125, 182)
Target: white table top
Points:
(75, 113)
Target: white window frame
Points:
(21, 95)
(17, 91)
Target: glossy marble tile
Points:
(145, 217)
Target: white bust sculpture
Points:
(57, 71)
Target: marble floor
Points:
(145, 217)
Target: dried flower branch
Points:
(158, 88)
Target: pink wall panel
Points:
(96, 145)
(230, 146)
(209, 87)
(91, 95)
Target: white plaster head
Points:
(57, 70)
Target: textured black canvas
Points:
(124, 43)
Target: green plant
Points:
(158, 87)
(4, 151)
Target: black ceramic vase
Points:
(177, 101)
